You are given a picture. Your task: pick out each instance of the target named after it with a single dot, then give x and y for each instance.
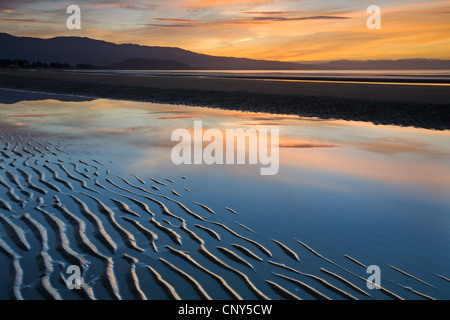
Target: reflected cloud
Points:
(32, 115)
(395, 145)
(291, 142)
(263, 124)
(325, 152)
(306, 145)
(106, 130)
(178, 117)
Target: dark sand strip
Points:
(80, 235)
(282, 291)
(132, 278)
(204, 207)
(11, 192)
(345, 281)
(221, 281)
(412, 277)
(445, 278)
(16, 271)
(191, 233)
(172, 234)
(100, 231)
(306, 287)
(150, 235)
(210, 231)
(427, 297)
(139, 179)
(261, 247)
(31, 185)
(45, 261)
(43, 181)
(219, 262)
(318, 279)
(159, 182)
(355, 261)
(63, 245)
(71, 176)
(128, 237)
(124, 207)
(172, 294)
(198, 288)
(57, 178)
(387, 292)
(15, 232)
(234, 256)
(246, 251)
(187, 210)
(5, 205)
(245, 227)
(420, 106)
(75, 168)
(288, 251)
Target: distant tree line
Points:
(25, 64)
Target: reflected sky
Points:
(381, 193)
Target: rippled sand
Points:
(133, 241)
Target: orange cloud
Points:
(26, 21)
(413, 30)
(106, 130)
(177, 20)
(244, 23)
(270, 12)
(101, 5)
(196, 4)
(178, 117)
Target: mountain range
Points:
(78, 50)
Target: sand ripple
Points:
(144, 244)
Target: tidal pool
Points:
(377, 194)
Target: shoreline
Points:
(435, 80)
(402, 105)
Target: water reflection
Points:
(379, 191)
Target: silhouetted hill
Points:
(76, 50)
(149, 64)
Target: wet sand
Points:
(424, 106)
(163, 246)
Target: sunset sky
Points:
(286, 30)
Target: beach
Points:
(423, 106)
(89, 183)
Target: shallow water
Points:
(385, 75)
(379, 194)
